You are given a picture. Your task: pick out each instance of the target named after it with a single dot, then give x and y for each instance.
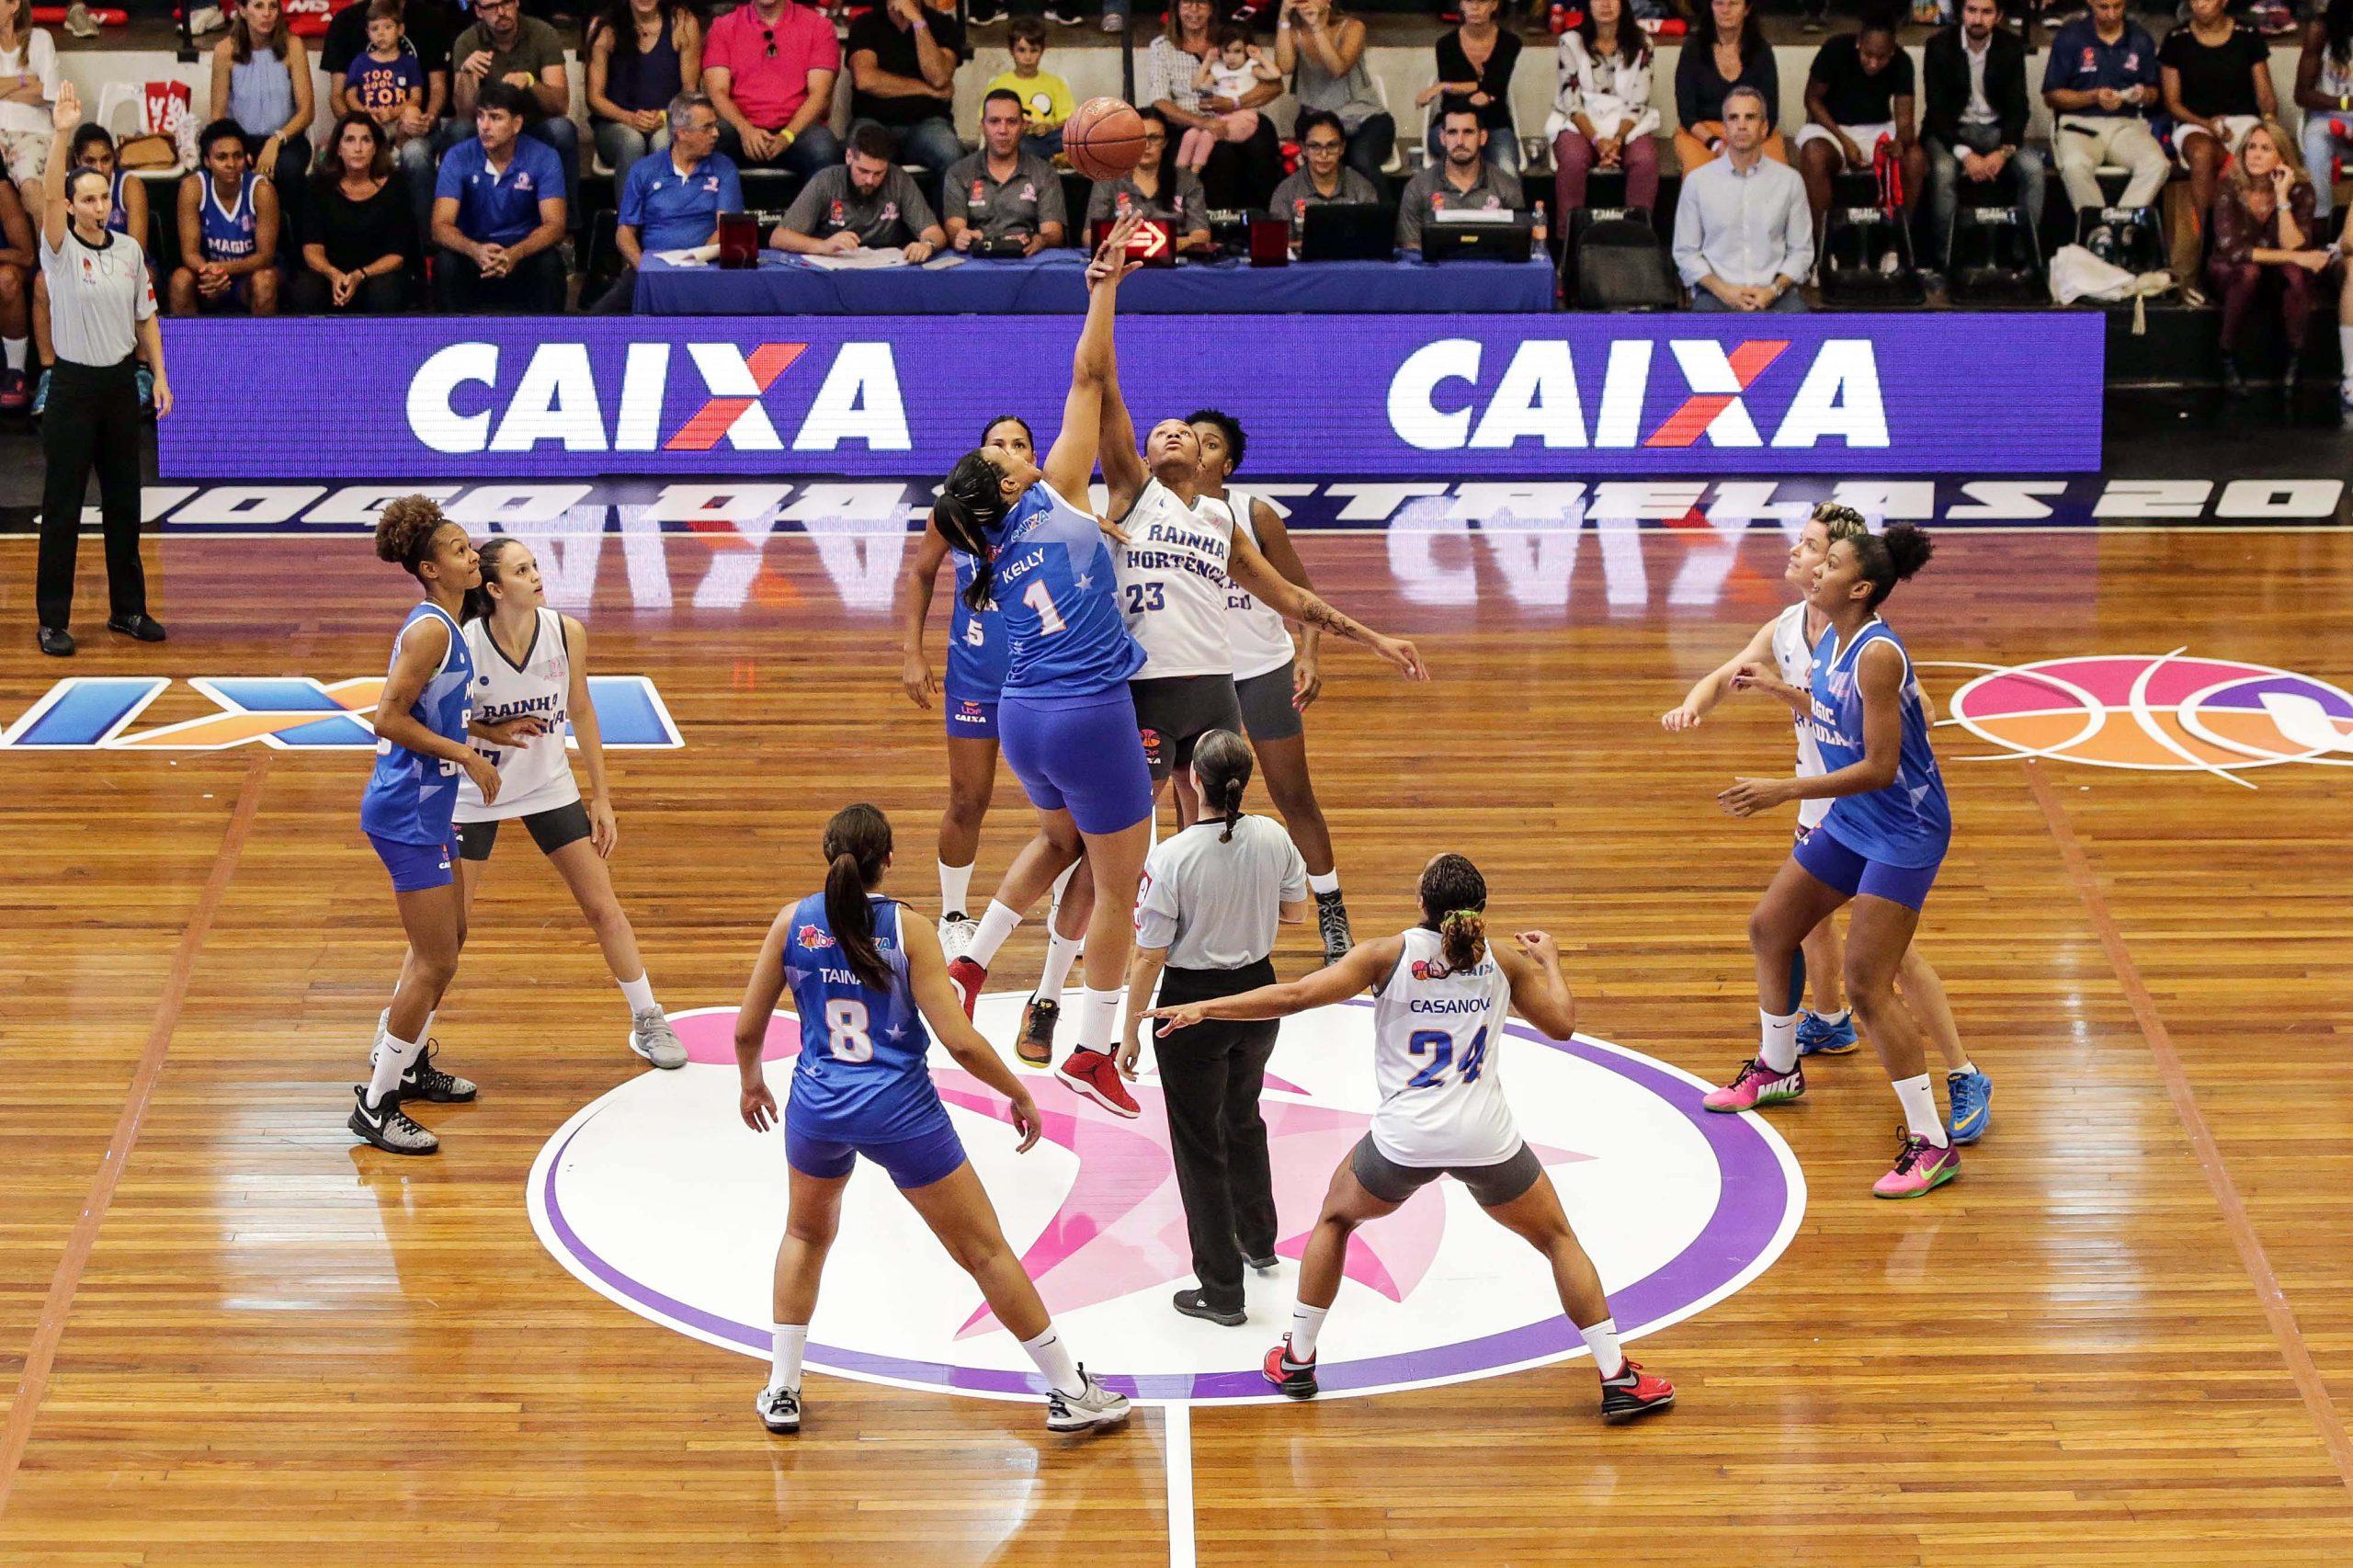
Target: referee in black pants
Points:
(1205, 928)
(102, 313)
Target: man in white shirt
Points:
(1743, 235)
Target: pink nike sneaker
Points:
(1756, 1084)
(968, 978)
(1920, 1167)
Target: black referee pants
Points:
(93, 421)
(1209, 1078)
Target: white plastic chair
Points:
(113, 99)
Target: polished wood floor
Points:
(229, 1337)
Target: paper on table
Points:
(859, 260)
(696, 257)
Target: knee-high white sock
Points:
(996, 924)
(1602, 1340)
(1061, 953)
(787, 1341)
(638, 994)
(1098, 1017)
(1051, 1358)
(1919, 1102)
(1061, 885)
(1306, 1322)
(390, 1058)
(955, 887)
(1776, 1044)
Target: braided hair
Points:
(1221, 761)
(970, 507)
(1454, 905)
(856, 845)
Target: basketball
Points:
(1104, 139)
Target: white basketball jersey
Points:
(1260, 640)
(1173, 585)
(1795, 655)
(1438, 1044)
(537, 776)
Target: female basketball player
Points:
(864, 980)
(1880, 845)
(420, 750)
(1442, 996)
(1825, 1028)
(531, 678)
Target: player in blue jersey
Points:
(1886, 834)
(421, 750)
(864, 980)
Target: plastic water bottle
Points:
(1558, 23)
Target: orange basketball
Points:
(1104, 139)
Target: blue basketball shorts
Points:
(1835, 865)
(918, 1161)
(1080, 755)
(415, 867)
(969, 718)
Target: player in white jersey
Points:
(1827, 1029)
(1443, 996)
(530, 680)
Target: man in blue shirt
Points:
(2101, 83)
(498, 213)
(672, 200)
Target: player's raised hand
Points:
(1111, 262)
(66, 113)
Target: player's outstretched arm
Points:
(1879, 676)
(1367, 965)
(1248, 567)
(936, 1000)
(1539, 992)
(1094, 366)
(1709, 689)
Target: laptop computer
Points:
(1347, 231)
(1476, 241)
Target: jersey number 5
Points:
(1424, 1042)
(845, 1034)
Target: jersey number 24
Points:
(1439, 1046)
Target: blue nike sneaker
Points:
(1819, 1036)
(1972, 1105)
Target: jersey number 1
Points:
(1424, 1042)
(845, 1034)
(1050, 619)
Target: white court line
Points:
(191, 530)
(1177, 1425)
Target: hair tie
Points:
(1465, 914)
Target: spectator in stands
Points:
(903, 60)
(2267, 242)
(18, 261)
(2217, 77)
(1045, 97)
(2101, 83)
(2324, 92)
(1157, 188)
(424, 36)
(1474, 65)
(865, 203)
(1323, 52)
(642, 55)
(671, 199)
(1974, 122)
(1602, 117)
(523, 53)
(126, 214)
(1237, 70)
(769, 67)
(1860, 93)
(228, 217)
(28, 83)
(261, 79)
(1002, 192)
(1239, 173)
(498, 211)
(387, 81)
(1465, 178)
(1726, 49)
(1323, 175)
(1743, 235)
(359, 240)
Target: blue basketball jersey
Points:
(410, 795)
(976, 642)
(228, 232)
(1058, 590)
(1910, 821)
(117, 217)
(862, 1076)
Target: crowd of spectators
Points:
(454, 168)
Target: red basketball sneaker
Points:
(1296, 1379)
(1096, 1076)
(1633, 1392)
(968, 978)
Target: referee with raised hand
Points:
(1205, 928)
(101, 312)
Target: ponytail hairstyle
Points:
(1841, 521)
(1890, 557)
(404, 531)
(969, 508)
(478, 603)
(1454, 905)
(856, 844)
(1223, 762)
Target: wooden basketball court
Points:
(230, 1335)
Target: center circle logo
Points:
(657, 1196)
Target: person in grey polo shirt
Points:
(1462, 180)
(1743, 235)
(1205, 928)
(1322, 176)
(1002, 192)
(865, 203)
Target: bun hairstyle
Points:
(1841, 521)
(1222, 761)
(1454, 905)
(969, 508)
(856, 845)
(478, 604)
(1890, 557)
(404, 531)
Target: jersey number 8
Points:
(845, 1034)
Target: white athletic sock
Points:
(1777, 1039)
(639, 993)
(1966, 1069)
(1602, 1340)
(1329, 883)
(2344, 348)
(1306, 1322)
(996, 924)
(1061, 953)
(1919, 1103)
(1832, 1019)
(787, 1341)
(1053, 1362)
(955, 887)
(1098, 1017)
(387, 1062)
(15, 347)
(1061, 885)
